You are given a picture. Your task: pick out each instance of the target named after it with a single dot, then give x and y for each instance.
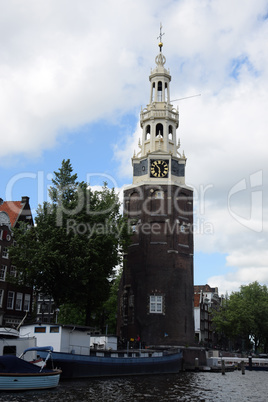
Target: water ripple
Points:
(185, 387)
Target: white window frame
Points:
(3, 272)
(27, 302)
(156, 304)
(5, 252)
(10, 300)
(18, 304)
(13, 271)
(1, 297)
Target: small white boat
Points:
(17, 374)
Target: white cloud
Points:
(219, 50)
(67, 64)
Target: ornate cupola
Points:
(158, 157)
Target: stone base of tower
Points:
(156, 290)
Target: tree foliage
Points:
(110, 306)
(245, 315)
(76, 243)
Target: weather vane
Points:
(160, 37)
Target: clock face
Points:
(159, 168)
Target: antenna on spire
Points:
(160, 44)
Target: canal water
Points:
(233, 386)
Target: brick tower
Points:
(156, 290)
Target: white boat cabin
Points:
(11, 343)
(68, 338)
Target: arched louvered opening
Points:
(148, 132)
(159, 130)
(170, 132)
(153, 92)
(159, 91)
(166, 92)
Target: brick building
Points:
(15, 300)
(206, 299)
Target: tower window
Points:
(170, 132)
(156, 304)
(148, 132)
(159, 130)
(153, 92)
(159, 194)
(166, 93)
(159, 91)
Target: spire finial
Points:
(160, 38)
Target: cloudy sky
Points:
(74, 75)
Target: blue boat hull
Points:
(81, 366)
(19, 375)
(15, 382)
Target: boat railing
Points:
(237, 360)
(79, 349)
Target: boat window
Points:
(9, 350)
(54, 329)
(40, 329)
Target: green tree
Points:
(245, 315)
(75, 245)
(110, 306)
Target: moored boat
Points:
(234, 362)
(117, 363)
(79, 353)
(17, 374)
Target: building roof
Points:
(204, 288)
(14, 209)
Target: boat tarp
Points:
(39, 348)
(12, 364)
